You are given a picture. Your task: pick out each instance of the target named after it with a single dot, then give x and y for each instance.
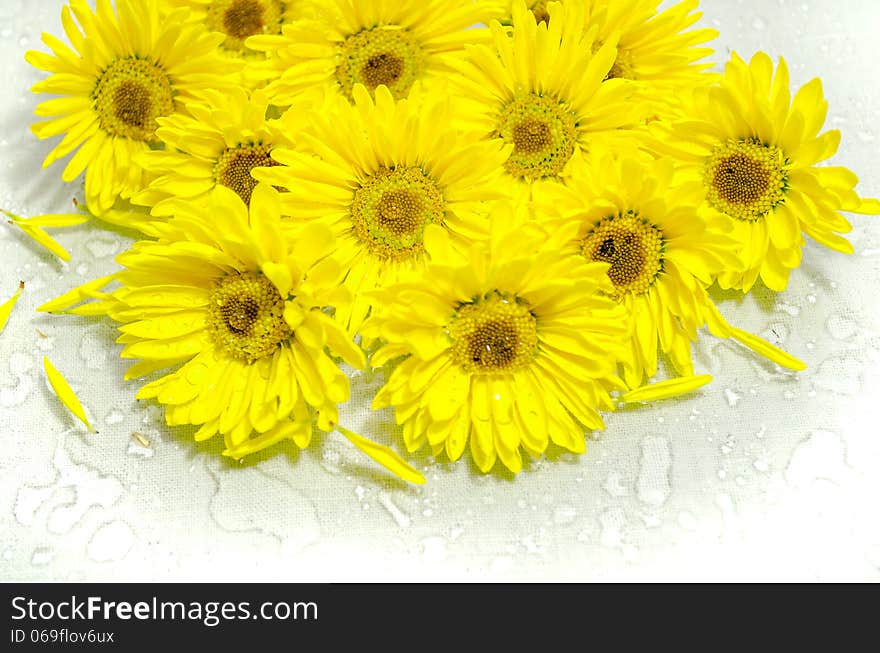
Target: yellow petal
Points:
(6, 308)
(75, 295)
(44, 239)
(767, 350)
(666, 389)
(54, 220)
(65, 394)
(386, 457)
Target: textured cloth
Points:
(762, 475)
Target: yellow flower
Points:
(238, 20)
(507, 348)
(350, 42)
(755, 151)
(217, 142)
(245, 316)
(378, 173)
(124, 72)
(662, 254)
(542, 91)
(655, 48)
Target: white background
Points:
(762, 476)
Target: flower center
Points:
(391, 209)
(543, 133)
(493, 333)
(233, 168)
(246, 316)
(540, 11)
(746, 179)
(239, 19)
(130, 94)
(380, 55)
(622, 68)
(632, 246)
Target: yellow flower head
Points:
(507, 348)
(238, 20)
(126, 69)
(654, 47)
(350, 42)
(217, 142)
(542, 92)
(378, 173)
(661, 251)
(755, 151)
(244, 315)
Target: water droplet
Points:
(653, 486)
(821, 455)
(403, 520)
(114, 417)
(840, 327)
(42, 556)
(758, 23)
(731, 397)
(840, 374)
(612, 521)
(614, 486)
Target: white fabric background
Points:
(761, 476)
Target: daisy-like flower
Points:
(238, 20)
(756, 151)
(125, 71)
(506, 349)
(244, 313)
(217, 142)
(350, 42)
(542, 91)
(654, 46)
(662, 254)
(378, 173)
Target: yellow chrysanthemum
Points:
(542, 91)
(654, 46)
(662, 254)
(238, 20)
(378, 173)
(350, 42)
(215, 143)
(508, 348)
(755, 151)
(223, 294)
(125, 71)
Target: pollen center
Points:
(246, 316)
(746, 179)
(632, 246)
(543, 132)
(130, 94)
(494, 333)
(233, 168)
(380, 55)
(391, 209)
(239, 19)
(539, 11)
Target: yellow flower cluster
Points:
(514, 210)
